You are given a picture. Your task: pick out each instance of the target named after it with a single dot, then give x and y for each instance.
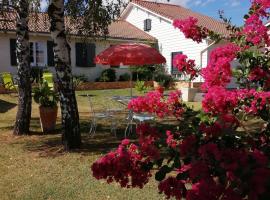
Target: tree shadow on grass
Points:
(100, 143)
(6, 106)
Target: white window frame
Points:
(44, 48)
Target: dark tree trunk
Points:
(71, 136)
(23, 117)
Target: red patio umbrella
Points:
(130, 54)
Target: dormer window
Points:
(147, 25)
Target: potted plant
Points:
(47, 100)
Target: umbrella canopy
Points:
(130, 54)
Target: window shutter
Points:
(79, 54)
(13, 56)
(50, 54)
(148, 24)
(145, 25)
(91, 54)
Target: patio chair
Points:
(108, 115)
(8, 82)
(48, 77)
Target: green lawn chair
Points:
(8, 82)
(48, 77)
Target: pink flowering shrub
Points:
(185, 65)
(190, 29)
(210, 154)
(156, 103)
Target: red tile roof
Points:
(39, 23)
(173, 12)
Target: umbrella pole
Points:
(130, 82)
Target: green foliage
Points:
(95, 15)
(124, 77)
(45, 96)
(108, 75)
(163, 79)
(140, 86)
(142, 73)
(78, 80)
(81, 77)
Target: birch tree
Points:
(71, 136)
(23, 116)
(21, 9)
(95, 18)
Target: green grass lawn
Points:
(36, 167)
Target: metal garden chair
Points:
(108, 115)
(48, 77)
(8, 81)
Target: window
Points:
(174, 69)
(85, 54)
(147, 25)
(37, 54)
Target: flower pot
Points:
(48, 117)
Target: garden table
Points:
(132, 117)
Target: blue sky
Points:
(232, 8)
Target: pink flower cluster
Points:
(220, 101)
(172, 187)
(147, 138)
(218, 72)
(261, 7)
(190, 29)
(155, 103)
(185, 65)
(255, 31)
(122, 166)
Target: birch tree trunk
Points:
(71, 136)
(23, 117)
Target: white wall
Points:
(90, 72)
(169, 38)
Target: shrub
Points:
(208, 155)
(124, 77)
(164, 80)
(140, 86)
(108, 75)
(142, 73)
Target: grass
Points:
(35, 167)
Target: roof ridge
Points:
(175, 5)
(169, 4)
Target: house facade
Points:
(83, 51)
(141, 21)
(156, 19)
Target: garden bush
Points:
(163, 79)
(107, 75)
(124, 77)
(210, 154)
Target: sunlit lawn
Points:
(36, 167)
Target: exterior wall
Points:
(169, 38)
(90, 72)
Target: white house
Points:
(156, 19)
(82, 52)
